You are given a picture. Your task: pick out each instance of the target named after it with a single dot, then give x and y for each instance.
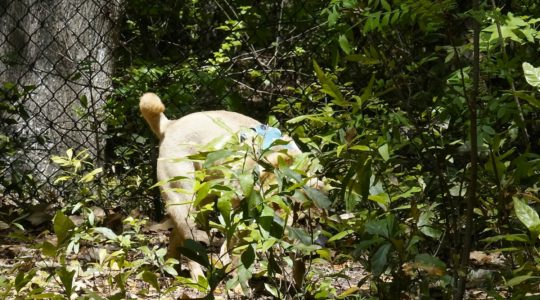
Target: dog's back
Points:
(200, 127)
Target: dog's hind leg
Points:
(178, 196)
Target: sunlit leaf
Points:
(340, 235)
(91, 175)
(348, 292)
(383, 151)
(272, 290)
(532, 74)
(246, 183)
(107, 232)
(527, 215)
(202, 192)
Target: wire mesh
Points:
(71, 72)
(56, 67)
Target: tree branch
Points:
(472, 194)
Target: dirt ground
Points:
(17, 255)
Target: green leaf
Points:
(272, 290)
(69, 153)
(380, 259)
(48, 249)
(430, 263)
(386, 5)
(62, 227)
(529, 98)
(382, 198)
(360, 148)
(344, 44)
(381, 227)
(300, 235)
(329, 87)
(151, 278)
(224, 205)
(291, 174)
(363, 176)
(322, 118)
(62, 179)
(246, 183)
(90, 176)
(84, 101)
(248, 257)
(273, 266)
(519, 279)
(195, 251)
(215, 156)
(340, 235)
(107, 232)
(368, 91)
(319, 198)
(272, 224)
(250, 207)
(67, 279)
(362, 59)
(527, 215)
(508, 237)
(244, 274)
(333, 17)
(532, 74)
(383, 151)
(24, 278)
(121, 280)
(349, 292)
(409, 193)
(202, 192)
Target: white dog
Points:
(182, 138)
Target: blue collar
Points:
(269, 134)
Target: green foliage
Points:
(378, 94)
(388, 118)
(120, 255)
(266, 212)
(96, 186)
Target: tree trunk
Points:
(64, 49)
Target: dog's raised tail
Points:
(152, 110)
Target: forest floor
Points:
(19, 256)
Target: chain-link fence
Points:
(56, 66)
(71, 72)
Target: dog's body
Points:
(178, 140)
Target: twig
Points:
(278, 34)
(251, 88)
(244, 34)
